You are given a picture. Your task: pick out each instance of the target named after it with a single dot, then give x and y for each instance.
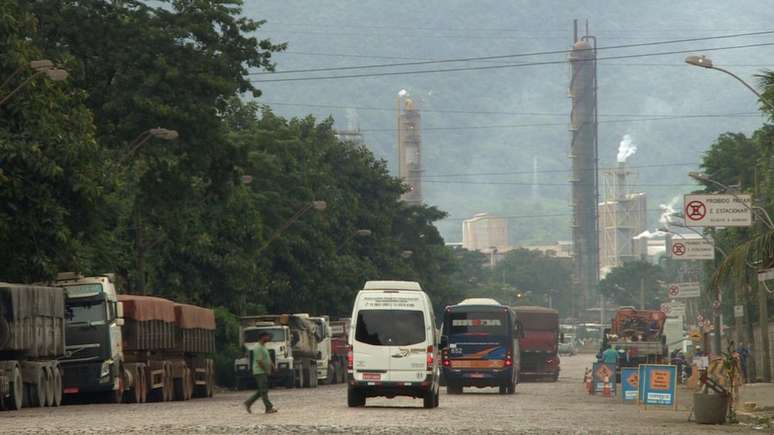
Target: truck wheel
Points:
(290, 379)
(38, 388)
(189, 383)
(429, 399)
(117, 396)
(179, 387)
(313, 376)
(49, 374)
(355, 398)
(210, 378)
(330, 375)
(453, 388)
(57, 386)
(503, 389)
(17, 390)
(143, 384)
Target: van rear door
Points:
(408, 353)
(370, 348)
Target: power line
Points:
(557, 124)
(490, 67)
(510, 56)
(553, 171)
(528, 184)
(374, 56)
(494, 112)
(531, 216)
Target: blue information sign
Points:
(630, 383)
(600, 372)
(658, 384)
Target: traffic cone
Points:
(587, 379)
(606, 388)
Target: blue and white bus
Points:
(480, 346)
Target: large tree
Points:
(52, 180)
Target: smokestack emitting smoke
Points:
(668, 210)
(626, 149)
(649, 235)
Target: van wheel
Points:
(430, 399)
(503, 389)
(355, 398)
(453, 388)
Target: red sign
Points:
(716, 305)
(372, 377)
(678, 249)
(674, 290)
(695, 210)
(634, 380)
(699, 318)
(666, 308)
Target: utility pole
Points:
(642, 293)
(763, 296)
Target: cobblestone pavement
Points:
(536, 408)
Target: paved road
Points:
(556, 408)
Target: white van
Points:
(393, 347)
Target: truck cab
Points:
(279, 347)
(325, 370)
(93, 361)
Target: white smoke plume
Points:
(402, 93)
(649, 235)
(626, 148)
(668, 211)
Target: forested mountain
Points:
(673, 111)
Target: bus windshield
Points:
(477, 323)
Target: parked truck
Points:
(639, 337)
(134, 348)
(340, 348)
(32, 339)
(294, 349)
(540, 344)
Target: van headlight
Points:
(105, 370)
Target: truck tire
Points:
(57, 386)
(313, 381)
(143, 384)
(189, 383)
(169, 383)
(38, 388)
(290, 379)
(179, 387)
(453, 388)
(355, 398)
(117, 396)
(5, 331)
(49, 387)
(16, 400)
(430, 399)
(330, 375)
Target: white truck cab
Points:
(325, 371)
(393, 349)
(279, 348)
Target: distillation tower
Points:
(584, 181)
(409, 149)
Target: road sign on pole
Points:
(692, 249)
(738, 311)
(717, 210)
(682, 290)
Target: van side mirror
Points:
(120, 310)
(518, 330)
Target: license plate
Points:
(476, 375)
(71, 390)
(372, 376)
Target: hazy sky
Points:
(518, 114)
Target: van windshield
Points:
(390, 327)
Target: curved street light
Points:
(41, 67)
(145, 136)
(705, 62)
(312, 205)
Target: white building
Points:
(485, 233)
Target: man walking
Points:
(261, 367)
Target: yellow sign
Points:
(695, 335)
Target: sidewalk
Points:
(756, 404)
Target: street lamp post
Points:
(145, 136)
(141, 245)
(763, 295)
(316, 205)
(705, 62)
(41, 67)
